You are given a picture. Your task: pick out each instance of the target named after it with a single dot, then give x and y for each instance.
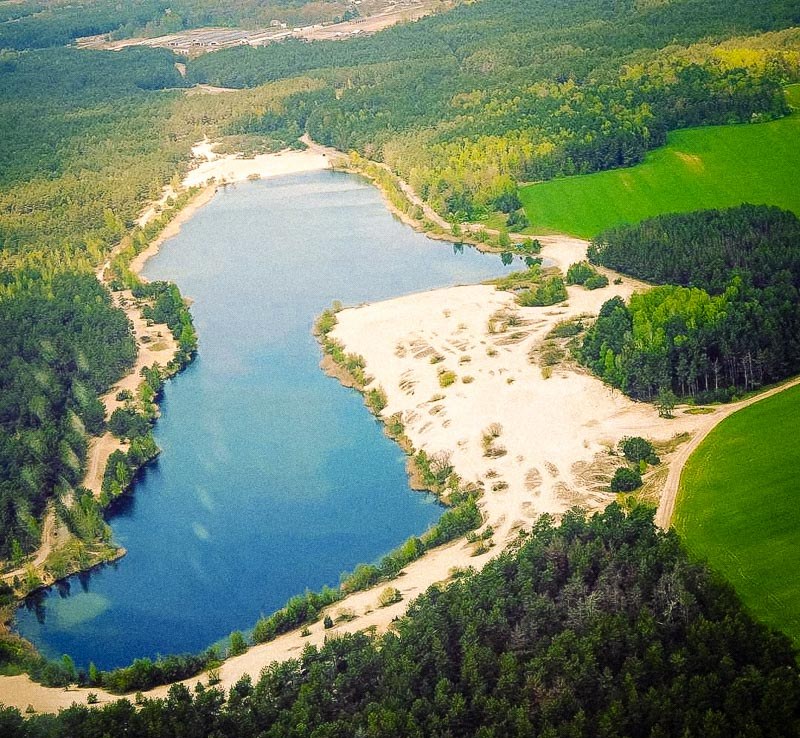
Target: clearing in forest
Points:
(708, 167)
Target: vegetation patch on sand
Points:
(709, 167)
(738, 507)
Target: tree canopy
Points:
(600, 627)
(730, 320)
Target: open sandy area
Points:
(556, 433)
(212, 168)
(534, 444)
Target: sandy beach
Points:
(555, 432)
(211, 168)
(536, 441)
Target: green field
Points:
(739, 507)
(710, 167)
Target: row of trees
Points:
(600, 627)
(737, 328)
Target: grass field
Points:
(739, 507)
(709, 167)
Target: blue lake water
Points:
(273, 477)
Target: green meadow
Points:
(739, 507)
(709, 167)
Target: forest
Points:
(465, 104)
(725, 321)
(598, 627)
(74, 344)
(88, 118)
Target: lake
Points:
(273, 478)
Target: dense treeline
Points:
(74, 176)
(600, 627)
(61, 344)
(33, 25)
(706, 249)
(464, 104)
(728, 317)
(86, 140)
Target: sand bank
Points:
(533, 444)
(213, 168)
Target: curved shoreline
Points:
(434, 566)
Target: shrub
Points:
(566, 329)
(549, 292)
(446, 378)
(126, 423)
(327, 623)
(596, 281)
(237, 644)
(636, 449)
(517, 220)
(584, 273)
(389, 596)
(376, 400)
(579, 272)
(626, 480)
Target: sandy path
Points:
(666, 507)
(53, 532)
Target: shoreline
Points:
(435, 566)
(577, 399)
(155, 345)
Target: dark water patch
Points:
(273, 478)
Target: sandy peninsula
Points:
(555, 433)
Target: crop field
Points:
(739, 507)
(709, 167)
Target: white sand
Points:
(556, 432)
(212, 168)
